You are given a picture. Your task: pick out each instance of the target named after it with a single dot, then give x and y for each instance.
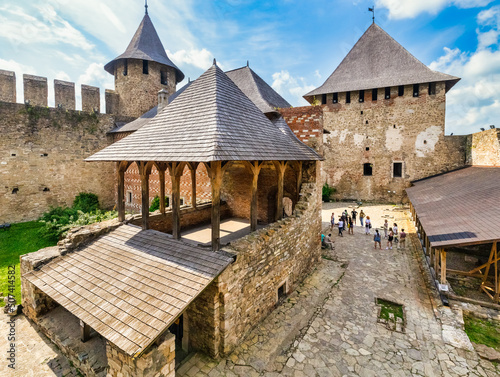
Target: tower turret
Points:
(143, 70)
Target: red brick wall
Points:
(306, 122)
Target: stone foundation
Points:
(158, 361)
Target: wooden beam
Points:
(299, 178)
(431, 256)
(215, 173)
(121, 192)
(161, 175)
(436, 262)
(427, 245)
(192, 167)
(144, 172)
(443, 266)
(254, 168)
(85, 331)
(176, 170)
(280, 172)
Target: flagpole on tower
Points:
(146, 6)
(372, 9)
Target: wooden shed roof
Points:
(129, 285)
(378, 61)
(212, 120)
(459, 208)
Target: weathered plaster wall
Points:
(483, 148)
(42, 152)
(403, 129)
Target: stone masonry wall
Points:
(42, 152)
(402, 129)
(281, 253)
(35, 90)
(158, 361)
(7, 86)
(483, 148)
(138, 92)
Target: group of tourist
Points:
(348, 221)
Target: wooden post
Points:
(299, 178)
(121, 191)
(85, 331)
(443, 266)
(427, 245)
(431, 256)
(161, 174)
(280, 171)
(255, 168)
(144, 171)
(192, 168)
(497, 280)
(436, 261)
(176, 170)
(214, 169)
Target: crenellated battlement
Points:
(36, 91)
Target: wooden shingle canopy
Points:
(146, 45)
(378, 61)
(459, 208)
(212, 120)
(129, 285)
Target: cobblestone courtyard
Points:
(328, 325)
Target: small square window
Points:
(323, 99)
(432, 88)
(361, 96)
(401, 90)
(367, 169)
(374, 94)
(182, 201)
(335, 98)
(367, 148)
(397, 169)
(348, 97)
(387, 93)
(415, 90)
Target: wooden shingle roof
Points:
(459, 207)
(378, 61)
(212, 120)
(129, 285)
(264, 97)
(146, 45)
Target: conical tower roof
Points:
(378, 61)
(212, 120)
(265, 97)
(146, 45)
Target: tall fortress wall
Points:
(42, 149)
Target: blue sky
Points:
(292, 44)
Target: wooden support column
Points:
(192, 167)
(431, 256)
(427, 245)
(436, 261)
(85, 331)
(443, 266)
(497, 277)
(161, 167)
(215, 172)
(299, 178)
(280, 172)
(144, 172)
(176, 170)
(121, 191)
(254, 168)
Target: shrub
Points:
(327, 192)
(155, 203)
(86, 202)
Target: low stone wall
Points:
(281, 254)
(159, 361)
(483, 148)
(189, 217)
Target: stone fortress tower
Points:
(140, 73)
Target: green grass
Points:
(20, 239)
(481, 331)
(387, 307)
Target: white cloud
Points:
(286, 85)
(19, 27)
(475, 101)
(412, 8)
(202, 59)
